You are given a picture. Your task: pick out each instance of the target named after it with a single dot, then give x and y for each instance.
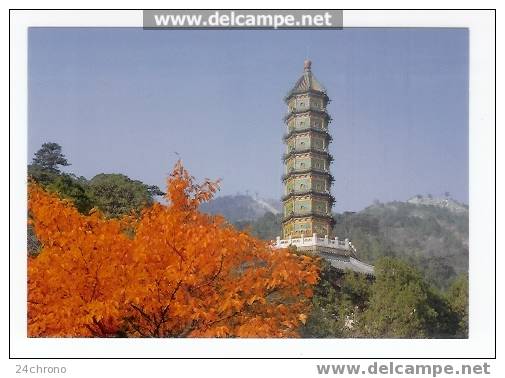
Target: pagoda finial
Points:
(306, 64)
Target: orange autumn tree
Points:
(183, 273)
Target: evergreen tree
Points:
(402, 304)
(458, 300)
(70, 188)
(50, 157)
(116, 195)
(338, 304)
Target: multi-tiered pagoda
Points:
(307, 200)
(307, 179)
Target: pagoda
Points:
(307, 201)
(307, 179)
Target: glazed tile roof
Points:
(307, 83)
(344, 263)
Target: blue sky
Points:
(126, 100)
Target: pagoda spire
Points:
(306, 65)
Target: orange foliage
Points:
(182, 273)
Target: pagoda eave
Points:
(295, 113)
(309, 214)
(323, 133)
(313, 92)
(324, 154)
(309, 192)
(308, 171)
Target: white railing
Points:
(314, 240)
(333, 251)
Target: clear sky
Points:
(127, 100)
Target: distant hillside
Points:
(447, 203)
(434, 238)
(240, 207)
(430, 233)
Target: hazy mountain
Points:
(446, 202)
(433, 237)
(240, 207)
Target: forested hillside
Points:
(432, 238)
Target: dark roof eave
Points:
(309, 215)
(324, 133)
(325, 154)
(314, 92)
(311, 171)
(309, 192)
(323, 113)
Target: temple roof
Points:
(344, 263)
(307, 82)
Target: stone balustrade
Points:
(314, 240)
